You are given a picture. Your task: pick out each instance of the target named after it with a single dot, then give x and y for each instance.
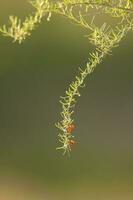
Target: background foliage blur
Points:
(32, 77)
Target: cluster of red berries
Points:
(69, 129)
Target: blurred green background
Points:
(32, 78)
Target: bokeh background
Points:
(32, 77)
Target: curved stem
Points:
(68, 102)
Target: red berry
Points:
(72, 142)
(70, 128)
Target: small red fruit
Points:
(72, 142)
(70, 128)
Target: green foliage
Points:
(104, 38)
